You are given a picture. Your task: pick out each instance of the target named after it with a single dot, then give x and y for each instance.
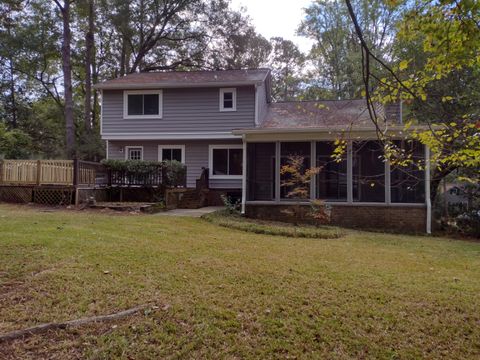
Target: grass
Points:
(233, 221)
(223, 293)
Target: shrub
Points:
(320, 212)
(175, 173)
(231, 206)
(137, 166)
(469, 222)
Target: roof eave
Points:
(397, 129)
(163, 85)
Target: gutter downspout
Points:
(427, 190)
(256, 105)
(244, 174)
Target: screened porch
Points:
(361, 176)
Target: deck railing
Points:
(84, 173)
(48, 172)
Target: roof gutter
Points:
(333, 129)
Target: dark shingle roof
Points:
(318, 114)
(186, 78)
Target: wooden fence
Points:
(48, 172)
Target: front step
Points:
(192, 199)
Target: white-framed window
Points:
(228, 99)
(142, 104)
(171, 152)
(225, 161)
(133, 152)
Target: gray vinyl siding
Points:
(184, 110)
(262, 103)
(196, 157)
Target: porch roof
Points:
(325, 119)
(325, 114)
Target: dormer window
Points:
(228, 99)
(142, 104)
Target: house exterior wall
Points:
(185, 110)
(196, 157)
(403, 218)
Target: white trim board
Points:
(177, 146)
(171, 136)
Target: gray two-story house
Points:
(226, 122)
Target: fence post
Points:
(2, 172)
(39, 171)
(76, 170)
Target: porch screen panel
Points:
(332, 178)
(368, 172)
(289, 149)
(260, 171)
(407, 183)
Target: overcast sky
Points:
(277, 18)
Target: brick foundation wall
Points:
(411, 219)
(215, 199)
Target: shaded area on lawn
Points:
(232, 294)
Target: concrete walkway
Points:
(190, 212)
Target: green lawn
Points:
(223, 293)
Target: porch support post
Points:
(313, 163)
(277, 171)
(428, 202)
(349, 172)
(388, 195)
(244, 175)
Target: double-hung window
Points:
(228, 99)
(171, 152)
(134, 153)
(142, 104)
(225, 161)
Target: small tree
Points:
(297, 179)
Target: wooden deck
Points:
(48, 172)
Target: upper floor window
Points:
(142, 104)
(134, 153)
(228, 99)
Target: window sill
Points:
(225, 177)
(141, 117)
(228, 110)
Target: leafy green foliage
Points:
(139, 166)
(14, 144)
(336, 55)
(469, 222)
(176, 172)
(231, 206)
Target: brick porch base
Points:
(396, 218)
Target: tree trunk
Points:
(67, 78)
(12, 89)
(89, 41)
(12, 95)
